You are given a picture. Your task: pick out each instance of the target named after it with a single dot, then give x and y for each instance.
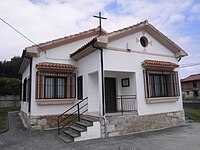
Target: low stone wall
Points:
(42, 122)
(38, 122)
(116, 124)
(9, 100)
(130, 123)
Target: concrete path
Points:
(177, 138)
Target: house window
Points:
(194, 84)
(26, 90)
(195, 94)
(55, 85)
(188, 92)
(144, 41)
(161, 84)
(80, 87)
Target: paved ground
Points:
(177, 138)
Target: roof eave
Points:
(33, 51)
(100, 41)
(179, 52)
(62, 41)
(25, 60)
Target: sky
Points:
(44, 20)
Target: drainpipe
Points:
(102, 76)
(105, 126)
(103, 95)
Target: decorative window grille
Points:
(55, 85)
(161, 83)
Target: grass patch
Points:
(194, 113)
(3, 113)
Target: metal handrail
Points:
(71, 114)
(126, 97)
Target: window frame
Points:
(70, 80)
(162, 85)
(55, 87)
(172, 87)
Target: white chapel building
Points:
(127, 79)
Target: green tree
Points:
(10, 86)
(10, 68)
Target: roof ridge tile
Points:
(192, 77)
(66, 37)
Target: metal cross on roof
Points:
(100, 17)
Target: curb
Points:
(192, 118)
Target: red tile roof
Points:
(107, 34)
(56, 66)
(140, 24)
(159, 63)
(144, 25)
(70, 38)
(191, 78)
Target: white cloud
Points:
(185, 72)
(196, 8)
(184, 40)
(49, 19)
(176, 18)
(43, 20)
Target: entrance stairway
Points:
(87, 128)
(74, 125)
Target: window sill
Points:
(55, 101)
(161, 100)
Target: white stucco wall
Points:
(93, 92)
(131, 62)
(133, 42)
(56, 55)
(24, 105)
(89, 68)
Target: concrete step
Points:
(85, 123)
(72, 133)
(89, 118)
(78, 128)
(74, 130)
(65, 138)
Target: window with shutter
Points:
(55, 85)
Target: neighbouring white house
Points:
(130, 78)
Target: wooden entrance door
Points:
(110, 95)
